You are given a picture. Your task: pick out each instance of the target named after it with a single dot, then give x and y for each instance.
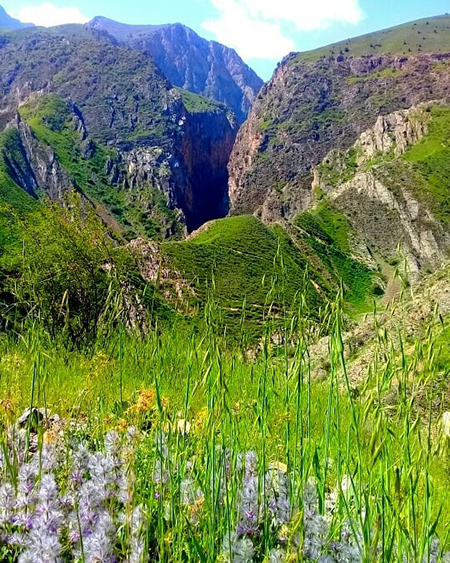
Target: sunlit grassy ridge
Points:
(248, 266)
(429, 35)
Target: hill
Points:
(250, 269)
(7, 22)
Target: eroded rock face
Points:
(117, 105)
(34, 166)
(191, 62)
(380, 196)
(394, 132)
(313, 106)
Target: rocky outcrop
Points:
(32, 165)
(103, 119)
(313, 104)
(191, 62)
(395, 132)
(156, 269)
(379, 194)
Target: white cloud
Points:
(256, 27)
(48, 15)
(253, 38)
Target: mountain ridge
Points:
(323, 100)
(190, 61)
(8, 22)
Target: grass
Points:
(329, 235)
(348, 443)
(430, 35)
(195, 103)
(237, 260)
(431, 162)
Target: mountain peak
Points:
(190, 61)
(8, 22)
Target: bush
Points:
(72, 276)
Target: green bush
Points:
(71, 272)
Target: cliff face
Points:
(103, 119)
(388, 187)
(323, 100)
(191, 62)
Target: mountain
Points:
(79, 111)
(7, 22)
(324, 100)
(191, 62)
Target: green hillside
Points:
(240, 260)
(430, 35)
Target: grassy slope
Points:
(431, 161)
(430, 35)
(329, 234)
(243, 259)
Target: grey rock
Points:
(33, 416)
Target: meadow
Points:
(177, 446)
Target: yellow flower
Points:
(146, 400)
(49, 437)
(8, 407)
(168, 537)
(122, 425)
(199, 420)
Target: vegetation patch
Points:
(431, 163)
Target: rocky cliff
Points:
(392, 186)
(191, 62)
(325, 99)
(104, 119)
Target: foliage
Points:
(227, 456)
(195, 103)
(70, 270)
(431, 162)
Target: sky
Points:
(261, 31)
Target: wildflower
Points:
(277, 556)
(145, 402)
(7, 503)
(310, 498)
(251, 464)
(249, 509)
(137, 543)
(277, 491)
(238, 550)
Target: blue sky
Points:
(262, 31)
